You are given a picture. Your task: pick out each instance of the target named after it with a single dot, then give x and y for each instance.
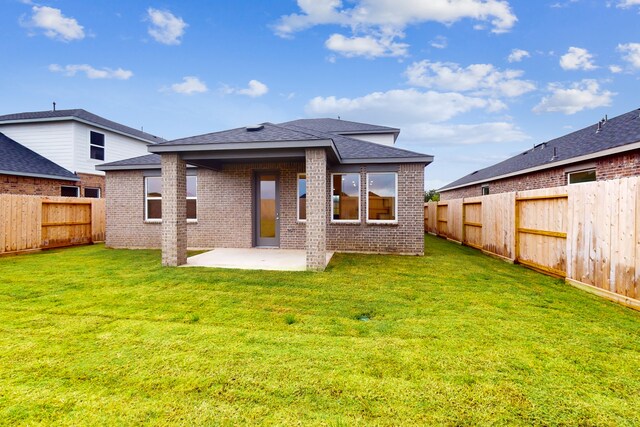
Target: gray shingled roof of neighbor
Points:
(80, 115)
(291, 135)
(615, 134)
(16, 159)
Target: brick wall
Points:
(225, 206)
(12, 184)
(610, 167)
(93, 181)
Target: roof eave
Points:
(107, 167)
(259, 145)
(586, 157)
(38, 175)
(422, 159)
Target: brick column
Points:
(316, 227)
(174, 210)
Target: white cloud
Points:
(480, 79)
(577, 59)
(396, 14)
(630, 53)
(254, 89)
(615, 69)
(582, 95)
(165, 28)
(518, 55)
(625, 4)
(367, 46)
(91, 72)
(464, 134)
(54, 24)
(189, 86)
(439, 42)
(401, 106)
(376, 24)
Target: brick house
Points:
(609, 149)
(23, 171)
(77, 141)
(317, 184)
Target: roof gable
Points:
(16, 159)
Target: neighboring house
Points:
(609, 149)
(23, 171)
(289, 186)
(77, 141)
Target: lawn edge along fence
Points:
(588, 234)
(30, 223)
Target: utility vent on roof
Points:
(254, 128)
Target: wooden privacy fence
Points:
(587, 233)
(36, 222)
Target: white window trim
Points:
(579, 171)
(72, 186)
(298, 219)
(104, 147)
(382, 221)
(159, 220)
(482, 190)
(348, 221)
(194, 220)
(147, 198)
(94, 188)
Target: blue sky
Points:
(469, 81)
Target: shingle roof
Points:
(16, 159)
(81, 115)
(616, 132)
(349, 149)
(268, 133)
(339, 126)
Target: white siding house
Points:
(77, 141)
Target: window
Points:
(485, 190)
(69, 191)
(153, 198)
(581, 176)
(92, 192)
(345, 197)
(382, 191)
(96, 145)
(302, 197)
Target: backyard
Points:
(90, 335)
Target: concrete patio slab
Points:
(253, 259)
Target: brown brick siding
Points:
(13, 184)
(609, 167)
(225, 206)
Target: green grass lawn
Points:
(95, 336)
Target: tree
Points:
(431, 196)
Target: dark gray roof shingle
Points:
(616, 132)
(347, 148)
(269, 133)
(351, 148)
(339, 126)
(82, 115)
(16, 159)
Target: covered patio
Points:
(253, 259)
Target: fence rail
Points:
(36, 222)
(587, 233)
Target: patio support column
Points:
(174, 210)
(316, 227)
